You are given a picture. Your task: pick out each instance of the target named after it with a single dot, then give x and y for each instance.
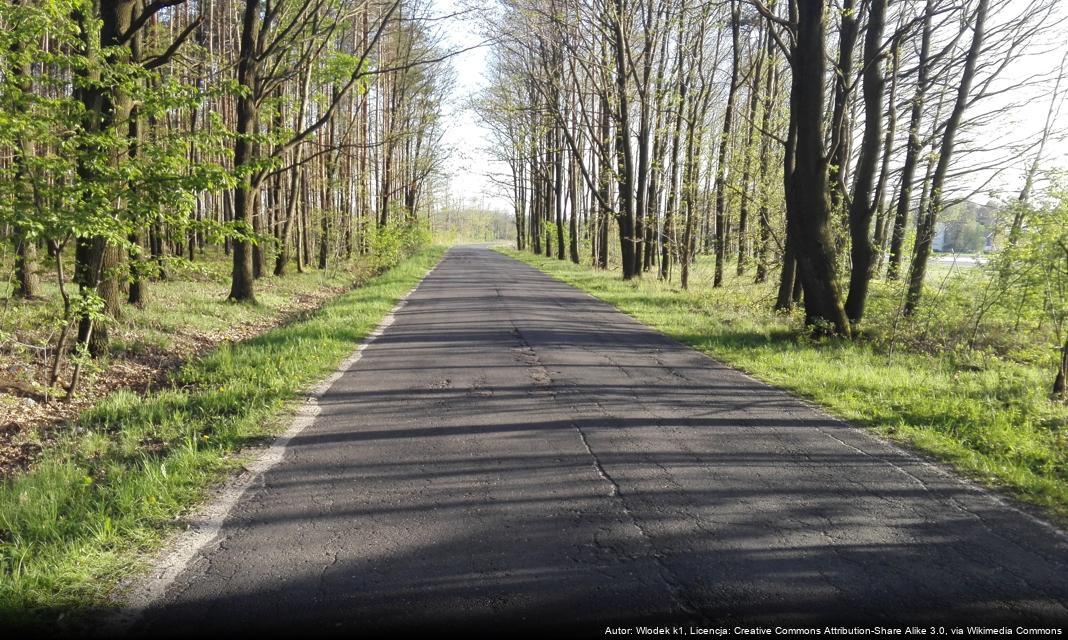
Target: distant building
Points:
(939, 241)
(965, 227)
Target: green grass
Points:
(110, 491)
(989, 416)
(186, 303)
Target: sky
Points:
(464, 134)
(470, 163)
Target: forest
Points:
(142, 135)
(821, 148)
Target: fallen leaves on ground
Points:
(30, 421)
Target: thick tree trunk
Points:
(242, 277)
(809, 218)
(97, 261)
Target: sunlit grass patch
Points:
(112, 489)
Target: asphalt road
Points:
(512, 455)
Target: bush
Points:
(395, 242)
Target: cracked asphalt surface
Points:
(513, 455)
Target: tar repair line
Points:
(207, 522)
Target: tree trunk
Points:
(520, 197)
(604, 178)
(1059, 385)
(26, 282)
(669, 232)
(809, 205)
(771, 87)
(247, 189)
(879, 238)
(744, 205)
(97, 261)
(861, 208)
(724, 140)
(281, 260)
(689, 196)
(558, 191)
(138, 294)
(573, 197)
(925, 233)
(841, 122)
(784, 299)
(242, 279)
(912, 152)
(624, 152)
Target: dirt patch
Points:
(30, 420)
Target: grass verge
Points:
(113, 487)
(185, 316)
(995, 423)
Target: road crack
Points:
(541, 378)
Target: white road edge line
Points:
(206, 522)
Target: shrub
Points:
(396, 241)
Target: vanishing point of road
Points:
(514, 455)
